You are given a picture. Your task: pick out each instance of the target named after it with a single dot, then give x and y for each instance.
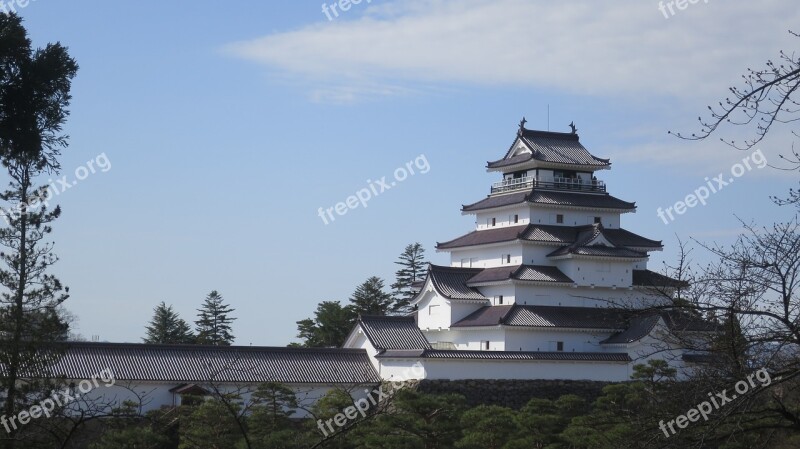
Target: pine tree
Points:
(370, 299)
(412, 262)
(214, 322)
(167, 327)
(34, 99)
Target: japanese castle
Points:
(549, 285)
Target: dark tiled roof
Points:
(555, 234)
(583, 245)
(533, 273)
(502, 234)
(451, 282)
(485, 316)
(568, 317)
(561, 148)
(514, 355)
(393, 332)
(598, 251)
(510, 161)
(647, 278)
(683, 321)
(623, 237)
(603, 201)
(553, 198)
(198, 364)
(497, 201)
(638, 328)
(547, 316)
(699, 358)
(676, 320)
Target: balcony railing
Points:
(509, 185)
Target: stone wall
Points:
(513, 393)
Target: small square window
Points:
(559, 218)
(516, 218)
(559, 346)
(597, 220)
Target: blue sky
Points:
(227, 125)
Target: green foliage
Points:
(412, 263)
(370, 299)
(487, 427)
(331, 404)
(35, 95)
(209, 425)
(330, 325)
(132, 438)
(167, 327)
(416, 420)
(274, 404)
(214, 321)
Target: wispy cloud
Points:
(584, 47)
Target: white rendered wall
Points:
(157, 395)
(487, 257)
(586, 272)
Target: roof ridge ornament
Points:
(521, 126)
(574, 129)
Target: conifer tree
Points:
(370, 299)
(412, 263)
(34, 96)
(214, 322)
(167, 327)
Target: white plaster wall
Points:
(547, 216)
(487, 257)
(600, 273)
(531, 339)
(157, 395)
(503, 218)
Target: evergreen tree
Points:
(370, 299)
(412, 270)
(167, 327)
(269, 422)
(330, 326)
(34, 97)
(214, 322)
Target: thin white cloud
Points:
(584, 46)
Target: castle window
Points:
(494, 221)
(484, 346)
(560, 218)
(516, 218)
(500, 300)
(597, 220)
(559, 346)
